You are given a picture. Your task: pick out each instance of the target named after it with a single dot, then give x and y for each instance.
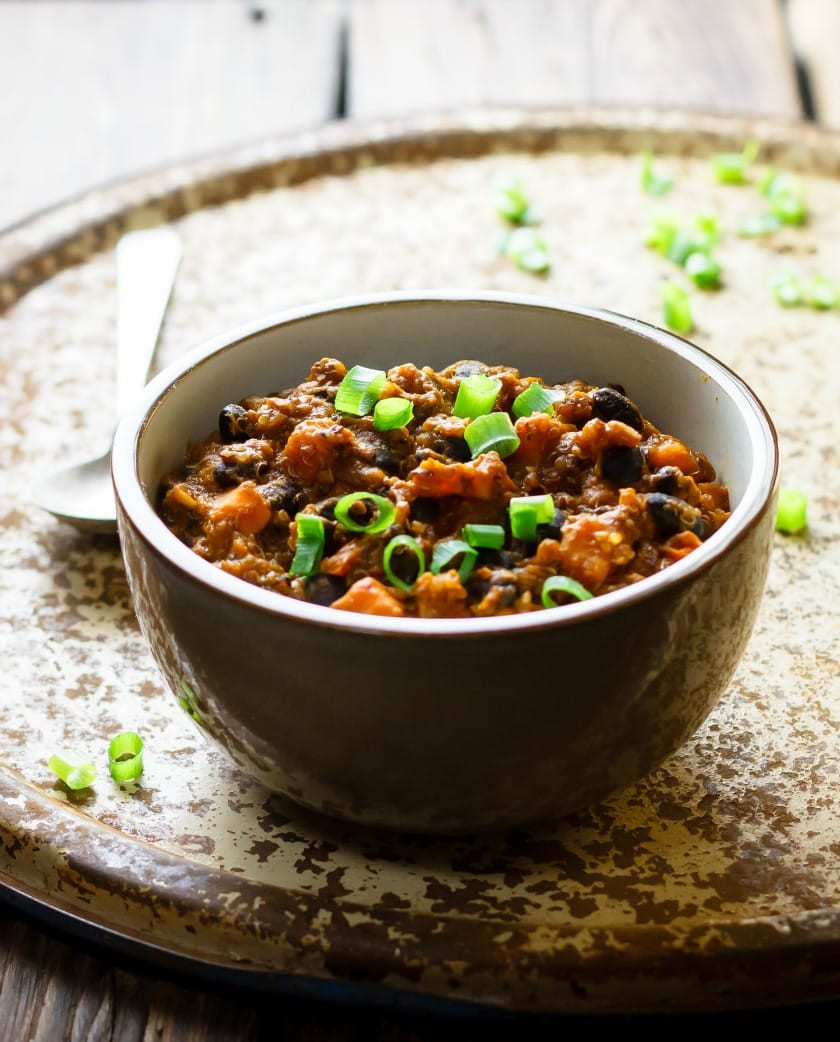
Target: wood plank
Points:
(815, 34)
(90, 92)
(707, 54)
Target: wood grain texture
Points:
(710, 54)
(815, 34)
(90, 92)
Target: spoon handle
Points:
(147, 261)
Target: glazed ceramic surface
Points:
(439, 725)
(712, 882)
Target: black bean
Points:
(226, 475)
(554, 528)
(425, 509)
(666, 480)
(282, 493)
(386, 459)
(477, 586)
(672, 515)
(495, 558)
(457, 449)
(609, 404)
(233, 424)
(622, 464)
(324, 589)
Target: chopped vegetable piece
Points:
(310, 544)
(763, 224)
(562, 584)
(654, 182)
(791, 513)
(731, 167)
(403, 543)
(358, 391)
(511, 201)
(536, 398)
(491, 537)
(526, 512)
(125, 756)
(72, 769)
(492, 432)
(787, 289)
(709, 227)
(676, 307)
(476, 396)
(703, 270)
(392, 413)
(662, 232)
(528, 251)
(448, 551)
(384, 515)
(789, 208)
(822, 293)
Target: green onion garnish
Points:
(676, 307)
(526, 512)
(358, 391)
(731, 167)
(763, 224)
(125, 756)
(788, 208)
(391, 413)
(654, 182)
(562, 584)
(310, 544)
(791, 513)
(703, 270)
(511, 201)
(491, 537)
(404, 543)
(476, 396)
(662, 232)
(536, 398)
(449, 550)
(491, 432)
(74, 771)
(787, 289)
(528, 251)
(383, 517)
(822, 293)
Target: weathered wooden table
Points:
(92, 92)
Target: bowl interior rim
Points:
(140, 512)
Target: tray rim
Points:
(92, 220)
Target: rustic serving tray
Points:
(714, 883)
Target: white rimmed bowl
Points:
(446, 725)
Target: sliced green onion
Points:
(310, 544)
(787, 289)
(703, 270)
(562, 584)
(492, 432)
(358, 391)
(449, 550)
(403, 542)
(763, 224)
(654, 182)
(382, 519)
(731, 167)
(791, 513)
(491, 537)
(391, 413)
(476, 396)
(526, 512)
(125, 756)
(528, 251)
(511, 201)
(822, 293)
(788, 208)
(74, 771)
(683, 246)
(676, 307)
(708, 226)
(662, 232)
(536, 398)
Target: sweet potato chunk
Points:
(370, 596)
(482, 478)
(243, 507)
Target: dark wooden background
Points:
(93, 90)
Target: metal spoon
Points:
(146, 265)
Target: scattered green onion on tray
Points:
(76, 772)
(125, 756)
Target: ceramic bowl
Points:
(447, 725)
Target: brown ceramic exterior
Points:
(445, 725)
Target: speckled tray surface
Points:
(715, 882)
